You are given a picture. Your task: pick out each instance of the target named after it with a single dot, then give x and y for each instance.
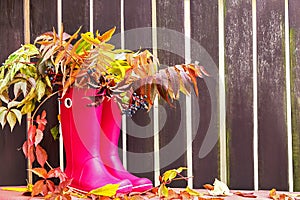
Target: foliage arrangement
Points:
(57, 61)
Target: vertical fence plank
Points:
(107, 14)
(140, 141)
(238, 33)
(294, 9)
(13, 167)
(40, 24)
(204, 33)
(172, 135)
(272, 133)
(75, 14)
(104, 21)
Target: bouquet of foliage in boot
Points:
(94, 80)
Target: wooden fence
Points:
(244, 127)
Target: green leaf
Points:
(3, 113)
(163, 191)
(11, 119)
(192, 192)
(108, 190)
(55, 132)
(40, 87)
(18, 114)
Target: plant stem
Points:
(48, 97)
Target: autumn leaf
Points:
(25, 148)
(246, 194)
(169, 175)
(192, 192)
(37, 188)
(107, 35)
(31, 156)
(108, 190)
(11, 119)
(41, 155)
(163, 191)
(41, 172)
(208, 186)
(38, 137)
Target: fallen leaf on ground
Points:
(246, 194)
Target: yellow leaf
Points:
(163, 191)
(108, 190)
(169, 175)
(11, 119)
(18, 114)
(3, 113)
(89, 37)
(41, 88)
(180, 169)
(192, 192)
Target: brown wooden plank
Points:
(294, 10)
(104, 21)
(239, 108)
(40, 24)
(140, 151)
(13, 162)
(75, 14)
(172, 122)
(43, 17)
(204, 47)
(273, 171)
(107, 14)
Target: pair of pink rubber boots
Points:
(90, 137)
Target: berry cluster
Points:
(139, 102)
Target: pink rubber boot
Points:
(80, 129)
(110, 132)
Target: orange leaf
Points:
(208, 187)
(245, 194)
(37, 188)
(41, 172)
(41, 155)
(50, 185)
(107, 35)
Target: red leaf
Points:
(246, 194)
(50, 185)
(37, 188)
(41, 155)
(44, 114)
(31, 156)
(25, 148)
(31, 134)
